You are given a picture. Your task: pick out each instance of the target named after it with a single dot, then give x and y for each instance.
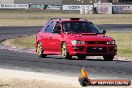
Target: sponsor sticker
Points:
(14, 6)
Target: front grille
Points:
(95, 42)
(97, 50)
(112, 49)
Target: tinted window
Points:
(43, 29)
(56, 27)
(80, 27)
(49, 28)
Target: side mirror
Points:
(39, 30)
(57, 29)
(104, 32)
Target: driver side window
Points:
(57, 28)
(49, 28)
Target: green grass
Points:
(39, 17)
(124, 43)
(21, 42)
(123, 40)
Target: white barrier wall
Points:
(14, 6)
(54, 7)
(122, 9)
(104, 8)
(71, 7)
(82, 9)
(75, 7)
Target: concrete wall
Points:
(6, 1)
(77, 2)
(82, 2)
(40, 2)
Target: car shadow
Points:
(42, 60)
(87, 59)
(122, 61)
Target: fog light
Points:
(80, 48)
(75, 47)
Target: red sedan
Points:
(74, 37)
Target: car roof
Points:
(68, 19)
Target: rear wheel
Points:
(40, 51)
(64, 52)
(108, 57)
(81, 57)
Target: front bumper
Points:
(92, 49)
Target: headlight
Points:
(111, 42)
(74, 42)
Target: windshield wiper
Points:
(98, 33)
(88, 33)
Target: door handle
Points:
(50, 37)
(41, 36)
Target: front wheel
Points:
(108, 57)
(39, 51)
(64, 52)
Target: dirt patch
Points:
(21, 83)
(21, 79)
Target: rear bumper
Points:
(92, 50)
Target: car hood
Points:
(89, 37)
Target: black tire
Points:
(40, 50)
(108, 57)
(81, 57)
(64, 51)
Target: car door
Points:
(47, 37)
(56, 39)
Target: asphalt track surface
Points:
(55, 65)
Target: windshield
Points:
(80, 27)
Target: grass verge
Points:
(21, 42)
(123, 40)
(39, 17)
(124, 43)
